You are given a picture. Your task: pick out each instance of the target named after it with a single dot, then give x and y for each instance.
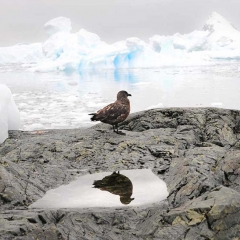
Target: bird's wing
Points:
(111, 112)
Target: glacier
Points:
(9, 114)
(218, 41)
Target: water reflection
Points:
(117, 184)
(122, 75)
(142, 184)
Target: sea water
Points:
(56, 100)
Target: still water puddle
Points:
(106, 189)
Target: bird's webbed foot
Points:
(115, 129)
(101, 130)
(121, 133)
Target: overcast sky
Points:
(112, 20)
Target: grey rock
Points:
(195, 151)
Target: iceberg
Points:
(9, 114)
(222, 33)
(66, 51)
(21, 53)
(59, 24)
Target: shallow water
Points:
(60, 100)
(127, 188)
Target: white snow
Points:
(65, 51)
(9, 114)
(216, 104)
(159, 105)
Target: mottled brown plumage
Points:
(114, 113)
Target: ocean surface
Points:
(64, 100)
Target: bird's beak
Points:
(129, 95)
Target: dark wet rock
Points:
(195, 151)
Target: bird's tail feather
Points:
(98, 183)
(93, 117)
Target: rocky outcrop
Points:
(195, 151)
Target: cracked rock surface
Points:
(195, 151)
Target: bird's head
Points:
(123, 94)
(125, 199)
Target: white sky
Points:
(112, 20)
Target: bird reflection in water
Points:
(117, 184)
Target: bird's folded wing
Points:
(112, 111)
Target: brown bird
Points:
(114, 113)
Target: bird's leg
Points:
(115, 128)
(119, 132)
